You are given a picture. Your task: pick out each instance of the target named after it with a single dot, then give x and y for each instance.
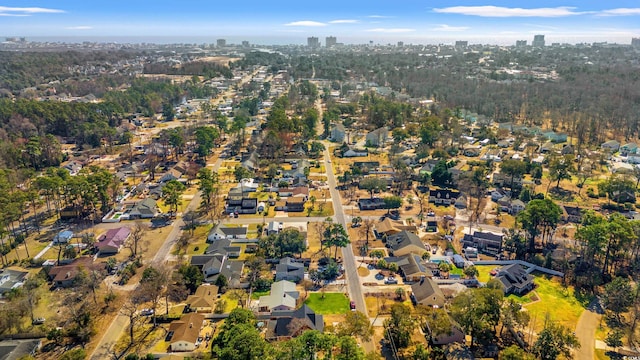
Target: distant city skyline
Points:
(292, 22)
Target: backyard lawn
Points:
(332, 303)
(549, 297)
(557, 302)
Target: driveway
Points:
(586, 331)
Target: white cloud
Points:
(306, 23)
(26, 11)
(620, 12)
(445, 27)
(391, 30)
(498, 11)
(81, 27)
(344, 21)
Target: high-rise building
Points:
(221, 42)
(538, 41)
(462, 44)
(521, 43)
(245, 43)
(400, 44)
(313, 42)
(330, 41)
(635, 42)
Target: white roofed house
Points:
(378, 137)
(283, 297)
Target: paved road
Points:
(349, 260)
(121, 322)
(586, 331)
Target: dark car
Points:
(352, 305)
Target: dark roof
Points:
(425, 289)
(444, 193)
(515, 276)
(487, 236)
(240, 230)
(412, 264)
(17, 349)
(280, 327)
(572, 210)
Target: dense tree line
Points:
(584, 101)
(19, 70)
(201, 68)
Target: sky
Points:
(292, 21)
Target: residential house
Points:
(274, 227)
(498, 194)
(171, 174)
(492, 155)
(572, 214)
(461, 202)
(13, 349)
(355, 153)
(337, 133)
(629, 148)
(484, 241)
(144, 209)
(289, 269)
(611, 146)
(65, 275)
(220, 232)
(555, 137)
(516, 207)
(429, 165)
(426, 292)
(378, 137)
(280, 326)
(204, 299)
(283, 297)
(11, 279)
(113, 240)
(404, 243)
(183, 334)
(547, 147)
(214, 265)
(390, 227)
(295, 191)
(503, 180)
(63, 237)
(454, 335)
(371, 204)
(471, 150)
(515, 280)
(412, 267)
(73, 167)
(295, 203)
(443, 196)
(223, 247)
(241, 205)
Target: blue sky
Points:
(426, 21)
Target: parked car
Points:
(146, 312)
(38, 321)
(352, 305)
(391, 280)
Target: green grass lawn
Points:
(256, 294)
(483, 272)
(332, 303)
(559, 303)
